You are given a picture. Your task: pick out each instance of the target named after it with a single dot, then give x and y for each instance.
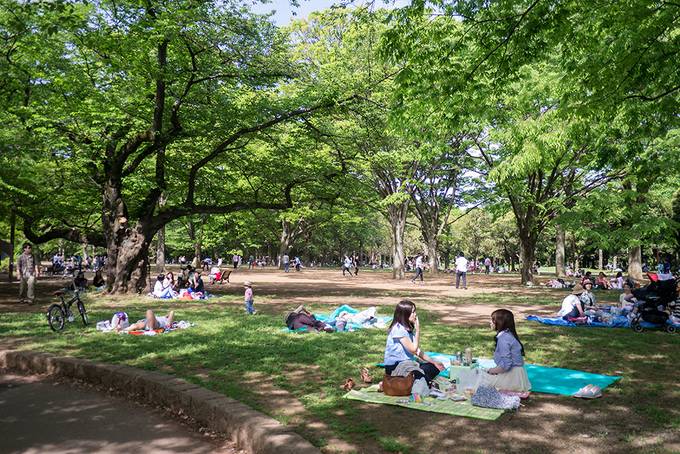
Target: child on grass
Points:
(248, 297)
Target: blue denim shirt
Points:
(508, 352)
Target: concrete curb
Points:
(251, 430)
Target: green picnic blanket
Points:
(447, 407)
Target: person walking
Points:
(235, 259)
(419, 268)
(27, 271)
(286, 263)
(461, 270)
(347, 266)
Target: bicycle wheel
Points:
(83, 312)
(56, 317)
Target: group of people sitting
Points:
(404, 354)
(601, 282)
(189, 285)
(581, 305)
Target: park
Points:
(215, 216)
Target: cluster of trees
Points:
(555, 119)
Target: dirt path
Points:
(276, 291)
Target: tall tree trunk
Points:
(527, 255)
(560, 270)
(130, 274)
(600, 259)
(12, 239)
(160, 244)
(160, 250)
(194, 237)
(284, 241)
(635, 262)
(397, 219)
(431, 246)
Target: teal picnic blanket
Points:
(544, 379)
(330, 319)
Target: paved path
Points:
(38, 415)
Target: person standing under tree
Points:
(419, 268)
(235, 259)
(286, 262)
(461, 270)
(487, 265)
(27, 271)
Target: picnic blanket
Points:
(379, 322)
(152, 332)
(544, 379)
(448, 407)
(617, 322)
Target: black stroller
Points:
(653, 301)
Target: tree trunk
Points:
(284, 241)
(12, 233)
(527, 251)
(160, 245)
(193, 236)
(160, 250)
(560, 270)
(397, 219)
(431, 246)
(635, 262)
(600, 259)
(130, 274)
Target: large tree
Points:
(130, 102)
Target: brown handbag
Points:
(398, 386)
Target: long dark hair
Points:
(402, 313)
(504, 320)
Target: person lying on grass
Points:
(509, 373)
(151, 322)
(403, 343)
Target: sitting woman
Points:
(160, 290)
(169, 281)
(509, 373)
(98, 280)
(602, 282)
(572, 307)
(151, 322)
(587, 298)
(617, 282)
(403, 344)
(79, 282)
(627, 300)
(196, 283)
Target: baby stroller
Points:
(652, 309)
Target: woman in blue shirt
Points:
(509, 373)
(403, 343)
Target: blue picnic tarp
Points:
(618, 321)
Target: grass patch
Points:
(239, 355)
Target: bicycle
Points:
(57, 314)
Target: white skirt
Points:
(515, 379)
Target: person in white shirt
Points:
(461, 270)
(419, 269)
(286, 262)
(347, 266)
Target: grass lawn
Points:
(295, 377)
